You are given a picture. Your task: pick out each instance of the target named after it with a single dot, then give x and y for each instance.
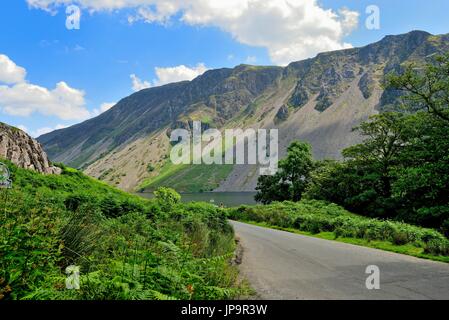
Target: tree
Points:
(400, 171)
(385, 140)
(272, 188)
(422, 176)
(363, 183)
(425, 88)
(293, 175)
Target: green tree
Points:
(401, 170)
(363, 183)
(422, 173)
(293, 175)
(384, 141)
(426, 87)
(272, 188)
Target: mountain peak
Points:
(415, 35)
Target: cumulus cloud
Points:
(169, 75)
(138, 84)
(10, 72)
(20, 98)
(103, 108)
(40, 131)
(179, 73)
(106, 106)
(289, 29)
(23, 99)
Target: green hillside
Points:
(126, 247)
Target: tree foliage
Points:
(292, 177)
(425, 87)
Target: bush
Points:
(436, 247)
(74, 201)
(110, 207)
(445, 228)
(400, 238)
(167, 198)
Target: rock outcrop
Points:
(24, 151)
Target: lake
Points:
(229, 199)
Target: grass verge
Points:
(407, 249)
(331, 222)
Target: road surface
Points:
(283, 265)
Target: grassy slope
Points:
(192, 178)
(188, 178)
(127, 247)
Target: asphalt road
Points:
(283, 265)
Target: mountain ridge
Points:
(318, 100)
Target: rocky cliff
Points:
(318, 100)
(24, 151)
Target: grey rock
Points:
(24, 151)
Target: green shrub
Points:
(400, 238)
(445, 228)
(74, 201)
(110, 207)
(167, 198)
(436, 247)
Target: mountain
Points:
(24, 151)
(318, 100)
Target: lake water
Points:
(229, 199)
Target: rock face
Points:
(24, 151)
(318, 100)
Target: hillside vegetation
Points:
(126, 247)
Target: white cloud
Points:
(10, 73)
(138, 84)
(169, 75)
(20, 98)
(103, 108)
(106, 106)
(23, 99)
(289, 29)
(179, 73)
(45, 130)
(40, 131)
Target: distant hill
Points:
(318, 100)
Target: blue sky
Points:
(95, 63)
